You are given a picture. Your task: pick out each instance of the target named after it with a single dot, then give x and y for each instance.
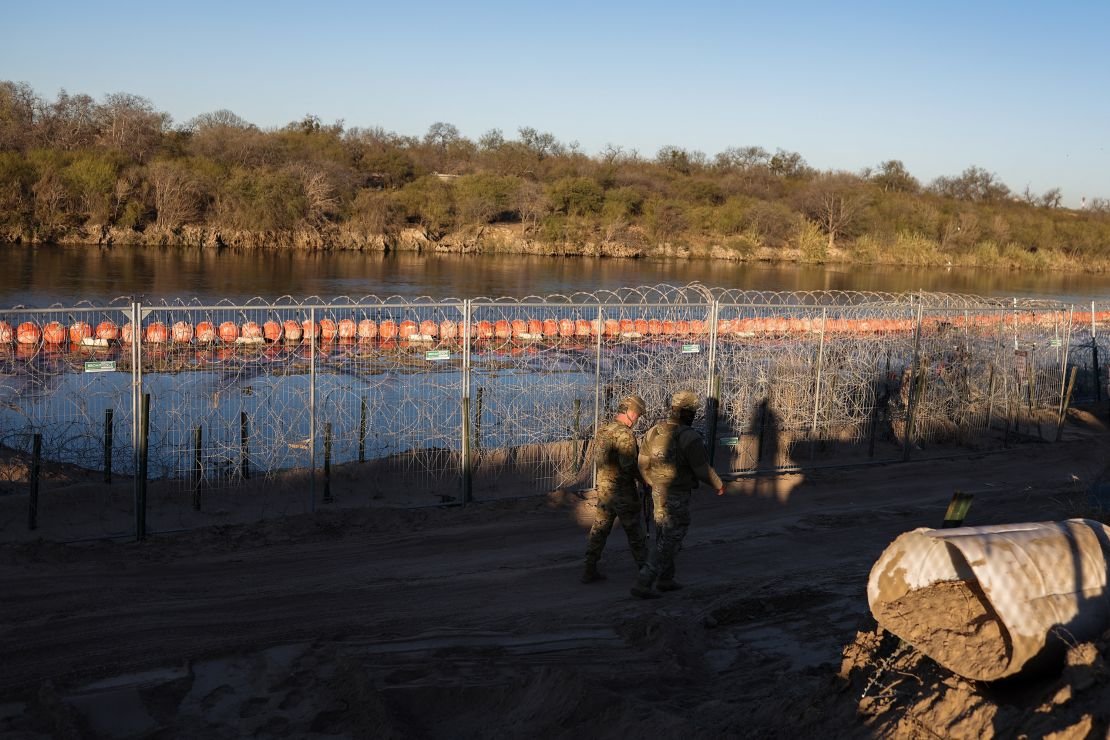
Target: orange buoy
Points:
(406, 329)
(367, 329)
(206, 332)
(448, 329)
(181, 332)
(535, 328)
(5, 332)
(79, 331)
(107, 330)
(292, 330)
(28, 333)
(668, 326)
(566, 328)
(328, 330)
(387, 330)
(229, 332)
(502, 329)
(271, 331)
(698, 327)
(550, 328)
(519, 327)
(612, 328)
(309, 330)
(485, 330)
(627, 326)
(581, 328)
(156, 333)
(53, 333)
(682, 328)
(347, 328)
(429, 328)
(251, 330)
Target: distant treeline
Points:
(119, 171)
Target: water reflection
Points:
(41, 275)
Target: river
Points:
(43, 275)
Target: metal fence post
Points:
(712, 384)
(467, 473)
(144, 455)
(597, 387)
(312, 410)
(913, 400)
(1064, 392)
(817, 387)
(33, 493)
(136, 419)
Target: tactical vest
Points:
(668, 467)
(607, 457)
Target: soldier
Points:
(672, 461)
(617, 475)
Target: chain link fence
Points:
(129, 417)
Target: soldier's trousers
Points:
(613, 505)
(672, 519)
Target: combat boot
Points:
(642, 588)
(591, 574)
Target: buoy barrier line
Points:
(328, 330)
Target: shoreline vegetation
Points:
(118, 171)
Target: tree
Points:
(742, 158)
(577, 196)
(222, 120)
(531, 202)
(1052, 198)
(540, 144)
(176, 197)
(130, 124)
(18, 103)
(430, 203)
(787, 164)
(893, 177)
(974, 184)
(491, 140)
(486, 198)
(834, 203)
(71, 122)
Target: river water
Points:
(43, 275)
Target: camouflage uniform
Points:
(672, 460)
(617, 497)
(617, 460)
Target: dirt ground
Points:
(470, 622)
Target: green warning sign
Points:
(729, 441)
(100, 366)
(691, 349)
(437, 354)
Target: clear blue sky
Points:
(1018, 88)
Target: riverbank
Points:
(630, 243)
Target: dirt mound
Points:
(899, 692)
(962, 631)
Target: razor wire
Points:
(424, 401)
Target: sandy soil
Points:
(471, 622)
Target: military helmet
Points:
(685, 401)
(632, 403)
